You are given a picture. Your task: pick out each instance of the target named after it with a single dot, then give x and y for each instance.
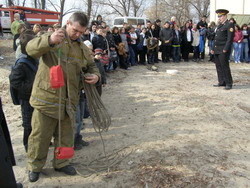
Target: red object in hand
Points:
(104, 59)
(64, 152)
(56, 77)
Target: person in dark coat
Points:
(99, 41)
(176, 44)
(7, 159)
(187, 39)
(86, 35)
(117, 39)
(99, 20)
(202, 22)
(210, 37)
(153, 33)
(21, 79)
(166, 36)
(158, 29)
(222, 45)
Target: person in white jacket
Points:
(196, 42)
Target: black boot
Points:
(33, 176)
(84, 143)
(19, 185)
(77, 142)
(69, 170)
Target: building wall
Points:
(234, 7)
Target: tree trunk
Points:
(89, 8)
(24, 1)
(61, 11)
(35, 3)
(43, 2)
(10, 3)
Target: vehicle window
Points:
(6, 14)
(119, 21)
(141, 21)
(132, 21)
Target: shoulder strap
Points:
(27, 62)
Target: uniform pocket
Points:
(46, 86)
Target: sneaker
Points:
(1, 57)
(68, 169)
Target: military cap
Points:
(222, 12)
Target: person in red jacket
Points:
(237, 42)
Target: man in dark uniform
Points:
(221, 49)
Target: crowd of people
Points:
(76, 45)
(129, 46)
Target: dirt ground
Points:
(168, 130)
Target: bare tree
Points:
(10, 3)
(23, 4)
(122, 7)
(137, 5)
(43, 4)
(125, 7)
(165, 9)
(89, 5)
(35, 3)
(181, 9)
(60, 8)
(201, 6)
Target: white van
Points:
(134, 21)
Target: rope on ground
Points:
(101, 121)
(104, 163)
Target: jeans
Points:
(196, 52)
(210, 45)
(176, 54)
(232, 52)
(131, 55)
(245, 50)
(237, 51)
(79, 117)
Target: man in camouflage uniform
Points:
(75, 58)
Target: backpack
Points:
(13, 91)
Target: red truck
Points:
(31, 15)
